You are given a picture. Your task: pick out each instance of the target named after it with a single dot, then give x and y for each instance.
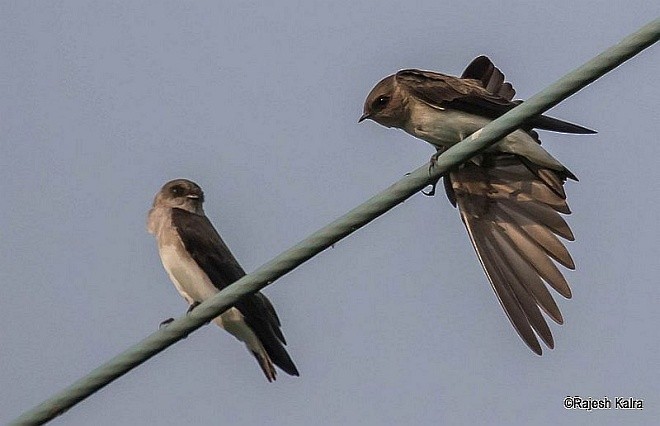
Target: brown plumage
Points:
(200, 264)
(510, 197)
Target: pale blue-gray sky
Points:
(101, 103)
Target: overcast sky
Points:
(103, 102)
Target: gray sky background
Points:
(101, 103)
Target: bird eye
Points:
(381, 101)
(176, 190)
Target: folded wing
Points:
(211, 253)
(481, 90)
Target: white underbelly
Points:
(188, 278)
(194, 285)
(445, 128)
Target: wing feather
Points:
(211, 253)
(512, 218)
(480, 91)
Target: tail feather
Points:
(274, 348)
(266, 365)
(260, 316)
(544, 122)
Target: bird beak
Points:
(364, 117)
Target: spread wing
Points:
(211, 253)
(512, 218)
(481, 91)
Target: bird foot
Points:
(192, 306)
(164, 323)
(434, 158)
(431, 192)
(432, 162)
